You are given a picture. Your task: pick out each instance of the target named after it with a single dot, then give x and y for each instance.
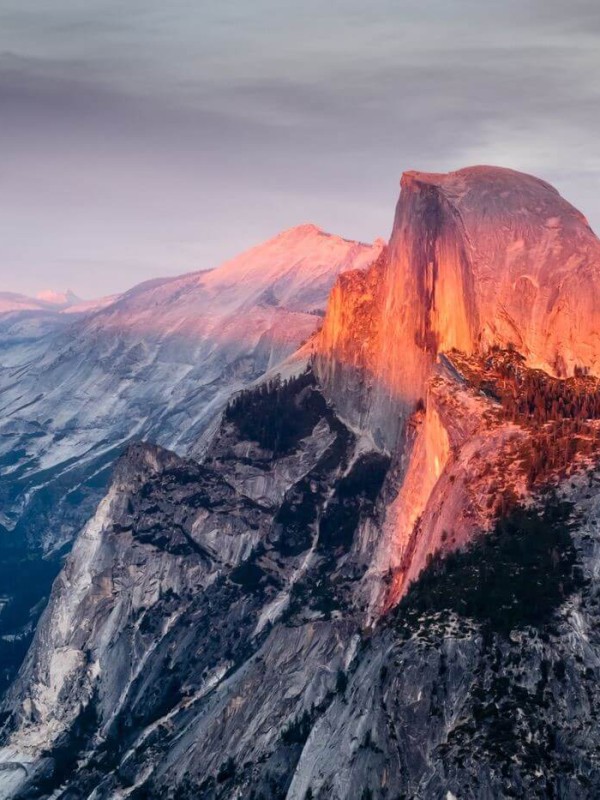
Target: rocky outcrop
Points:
(345, 352)
(173, 590)
(444, 707)
(479, 257)
(513, 259)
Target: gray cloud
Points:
(147, 138)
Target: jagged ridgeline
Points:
(157, 363)
(381, 579)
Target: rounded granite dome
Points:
(499, 193)
(487, 255)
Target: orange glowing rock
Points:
(477, 257)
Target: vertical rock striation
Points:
(479, 257)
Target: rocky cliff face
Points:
(153, 612)
(477, 257)
(381, 581)
(157, 363)
(477, 685)
(210, 635)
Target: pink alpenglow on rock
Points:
(477, 257)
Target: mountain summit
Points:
(158, 363)
(492, 257)
(62, 299)
(479, 257)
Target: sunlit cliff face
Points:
(477, 257)
(347, 347)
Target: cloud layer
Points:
(146, 138)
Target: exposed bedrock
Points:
(477, 257)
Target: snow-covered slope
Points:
(48, 300)
(58, 299)
(86, 306)
(158, 363)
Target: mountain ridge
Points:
(158, 363)
(381, 578)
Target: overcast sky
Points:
(145, 138)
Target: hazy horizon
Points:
(147, 141)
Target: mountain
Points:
(45, 301)
(158, 362)
(59, 299)
(48, 300)
(480, 257)
(378, 576)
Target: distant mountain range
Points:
(44, 301)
